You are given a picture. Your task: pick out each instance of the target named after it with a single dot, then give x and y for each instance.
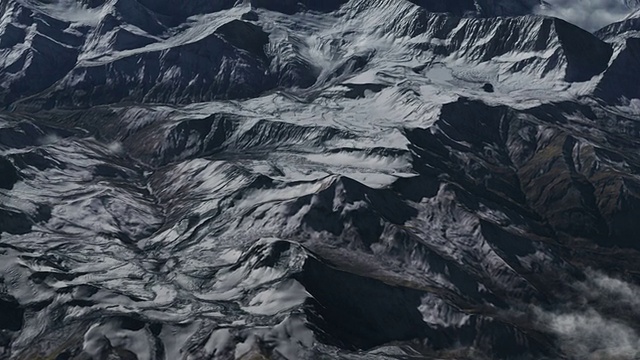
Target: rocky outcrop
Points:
(36, 50)
(534, 164)
(616, 83)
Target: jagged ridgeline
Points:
(70, 54)
(341, 179)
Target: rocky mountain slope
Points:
(344, 179)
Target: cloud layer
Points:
(589, 14)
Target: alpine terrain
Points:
(317, 179)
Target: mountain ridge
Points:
(361, 179)
(109, 47)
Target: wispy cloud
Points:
(589, 335)
(586, 330)
(588, 14)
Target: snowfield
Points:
(344, 179)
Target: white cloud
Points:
(584, 332)
(116, 148)
(589, 335)
(588, 14)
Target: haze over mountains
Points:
(588, 14)
(350, 179)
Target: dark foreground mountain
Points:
(362, 179)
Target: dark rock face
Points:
(11, 314)
(340, 308)
(38, 159)
(246, 36)
(12, 36)
(51, 54)
(13, 222)
(488, 88)
(9, 174)
(178, 75)
(211, 133)
(22, 135)
(587, 55)
(617, 82)
(554, 175)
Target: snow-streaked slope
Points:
(363, 179)
(130, 52)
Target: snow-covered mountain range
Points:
(336, 179)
